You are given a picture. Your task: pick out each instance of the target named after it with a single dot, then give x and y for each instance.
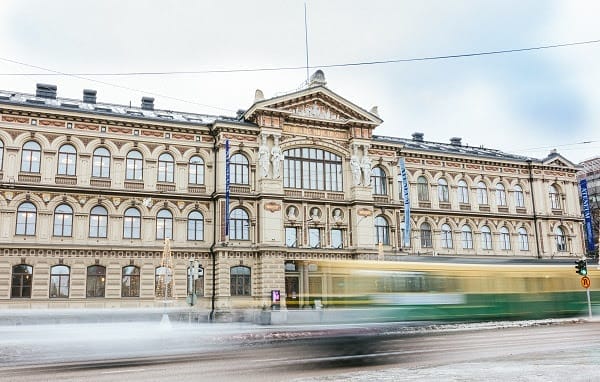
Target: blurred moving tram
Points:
(434, 289)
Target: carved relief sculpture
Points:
(263, 157)
(276, 158)
(366, 168)
(355, 167)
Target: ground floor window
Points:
(96, 281)
(22, 278)
(240, 281)
(59, 281)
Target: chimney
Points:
(89, 96)
(45, 91)
(418, 137)
(455, 141)
(147, 103)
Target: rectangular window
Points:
(314, 237)
(291, 237)
(337, 239)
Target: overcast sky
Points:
(525, 103)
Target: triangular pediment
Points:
(315, 104)
(555, 159)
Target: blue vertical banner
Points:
(587, 215)
(406, 198)
(227, 182)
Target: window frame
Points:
(482, 194)
(426, 235)
(486, 238)
(422, 189)
(96, 280)
(132, 223)
(195, 226)
(463, 192)
(130, 282)
(63, 221)
(67, 153)
(378, 181)
(382, 230)
(446, 236)
(62, 278)
(101, 163)
(467, 237)
(196, 177)
(523, 239)
(166, 168)
(239, 169)
(554, 195)
(164, 224)
(166, 284)
(98, 222)
(240, 281)
(27, 225)
(134, 166)
(560, 239)
(505, 239)
(443, 191)
(519, 196)
(500, 195)
(239, 224)
(291, 233)
(21, 281)
(31, 163)
(312, 168)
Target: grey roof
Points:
(111, 110)
(448, 148)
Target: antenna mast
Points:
(306, 41)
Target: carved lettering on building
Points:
(315, 110)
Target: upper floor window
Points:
(312, 169)
(63, 220)
(101, 163)
(26, 217)
(500, 195)
(239, 225)
(98, 222)
(134, 166)
(131, 224)
(443, 194)
(163, 282)
(482, 196)
(196, 170)
(467, 237)
(31, 157)
(523, 239)
(195, 226)
(291, 237)
(561, 242)
(446, 236)
(96, 281)
(240, 282)
(22, 279)
(554, 197)
(504, 238)
(166, 167)
(486, 237)
(382, 231)
(59, 281)
(378, 181)
(67, 159)
(519, 199)
(1, 153)
(337, 238)
(422, 189)
(238, 169)
(164, 224)
(314, 237)
(426, 240)
(130, 281)
(463, 192)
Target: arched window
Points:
(30, 157)
(101, 163)
(131, 224)
(130, 281)
(467, 237)
(382, 231)
(96, 281)
(378, 181)
(59, 281)
(561, 242)
(523, 239)
(504, 238)
(198, 282)
(26, 217)
(519, 199)
(240, 282)
(482, 196)
(196, 170)
(134, 166)
(238, 169)
(22, 279)
(463, 192)
(98, 222)
(239, 225)
(195, 226)
(166, 168)
(422, 189)
(446, 236)
(312, 169)
(63, 220)
(164, 224)
(486, 237)
(1, 154)
(67, 159)
(554, 197)
(500, 195)
(443, 194)
(426, 241)
(163, 282)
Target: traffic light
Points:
(581, 267)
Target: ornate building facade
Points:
(89, 193)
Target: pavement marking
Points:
(123, 371)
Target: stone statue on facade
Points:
(355, 167)
(366, 166)
(263, 157)
(276, 158)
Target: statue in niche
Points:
(315, 214)
(263, 157)
(355, 167)
(276, 158)
(337, 216)
(366, 165)
(291, 213)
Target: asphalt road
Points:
(532, 353)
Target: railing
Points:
(503, 209)
(134, 185)
(445, 206)
(195, 189)
(165, 187)
(105, 183)
(239, 189)
(465, 207)
(484, 208)
(30, 178)
(68, 180)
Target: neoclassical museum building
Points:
(105, 205)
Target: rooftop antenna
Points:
(306, 41)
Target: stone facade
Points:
(309, 181)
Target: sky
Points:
(525, 103)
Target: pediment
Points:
(317, 104)
(555, 159)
